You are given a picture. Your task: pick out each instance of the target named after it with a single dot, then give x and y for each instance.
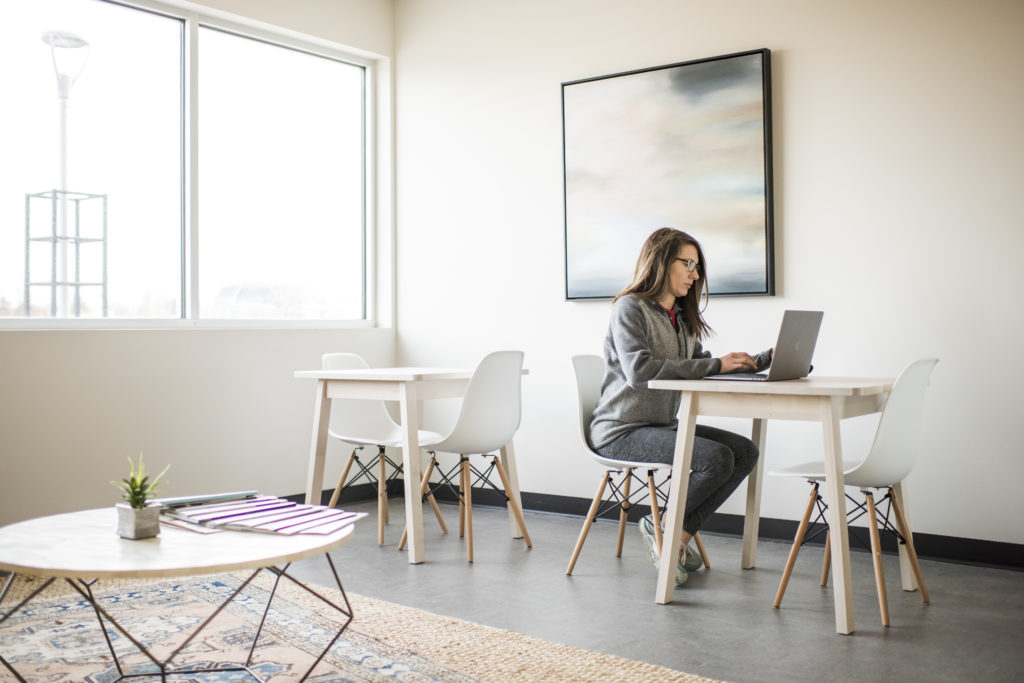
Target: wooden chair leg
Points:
(655, 508)
(437, 512)
(424, 487)
(876, 554)
(908, 538)
(516, 510)
(342, 479)
(827, 561)
(798, 540)
(382, 499)
(700, 548)
(468, 495)
(430, 496)
(624, 510)
(591, 514)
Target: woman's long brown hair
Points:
(650, 278)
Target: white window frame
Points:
(378, 198)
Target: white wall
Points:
(899, 159)
(221, 406)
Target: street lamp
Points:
(69, 53)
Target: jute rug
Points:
(56, 639)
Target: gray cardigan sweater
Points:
(642, 345)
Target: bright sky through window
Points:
(280, 162)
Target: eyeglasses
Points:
(690, 264)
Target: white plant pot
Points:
(137, 524)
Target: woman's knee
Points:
(745, 458)
(713, 460)
(743, 451)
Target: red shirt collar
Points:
(671, 312)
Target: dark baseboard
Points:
(932, 546)
(356, 493)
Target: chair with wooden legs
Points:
(488, 419)
(619, 474)
(368, 423)
(885, 467)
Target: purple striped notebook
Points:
(266, 514)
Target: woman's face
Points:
(680, 279)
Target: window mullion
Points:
(190, 246)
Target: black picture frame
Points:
(686, 145)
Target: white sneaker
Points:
(647, 533)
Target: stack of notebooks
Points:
(249, 511)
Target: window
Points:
(90, 180)
(280, 182)
(120, 201)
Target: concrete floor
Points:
(721, 624)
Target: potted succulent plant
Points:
(137, 516)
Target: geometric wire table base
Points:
(84, 588)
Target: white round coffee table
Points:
(81, 547)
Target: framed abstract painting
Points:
(685, 145)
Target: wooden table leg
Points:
(681, 462)
(906, 569)
(752, 516)
(842, 588)
(318, 449)
(411, 457)
(508, 461)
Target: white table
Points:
(821, 399)
(81, 547)
(409, 387)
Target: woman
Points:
(655, 332)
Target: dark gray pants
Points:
(721, 460)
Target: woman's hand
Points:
(738, 362)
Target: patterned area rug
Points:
(55, 638)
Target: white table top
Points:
(85, 545)
(809, 386)
(409, 374)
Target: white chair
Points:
(368, 423)
(886, 465)
(589, 375)
(489, 417)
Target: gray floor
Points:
(721, 624)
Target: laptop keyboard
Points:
(742, 376)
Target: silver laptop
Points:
(793, 350)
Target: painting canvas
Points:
(685, 145)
